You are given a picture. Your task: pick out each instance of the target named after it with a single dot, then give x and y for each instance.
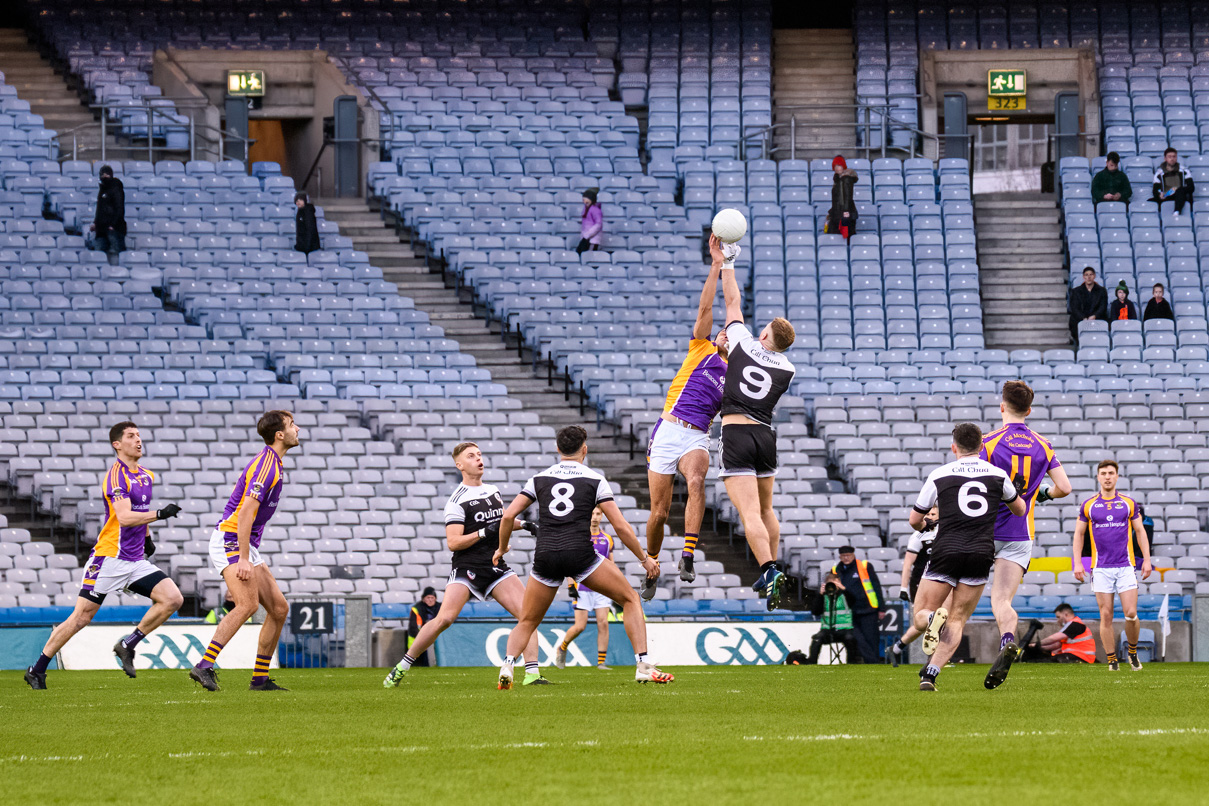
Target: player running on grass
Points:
(968, 492)
(119, 559)
(757, 374)
(1027, 459)
(235, 553)
(588, 600)
(472, 531)
(680, 439)
(1111, 521)
(915, 560)
(565, 494)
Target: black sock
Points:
(42, 663)
(767, 565)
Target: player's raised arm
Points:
(730, 286)
(625, 533)
(508, 523)
(705, 308)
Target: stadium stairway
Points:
(811, 68)
(1021, 271)
(49, 95)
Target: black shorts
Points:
(957, 568)
(748, 450)
(917, 570)
(553, 567)
(480, 580)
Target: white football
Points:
(729, 225)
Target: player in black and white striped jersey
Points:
(566, 493)
(967, 493)
(757, 375)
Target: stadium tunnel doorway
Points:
(282, 141)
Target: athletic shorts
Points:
(591, 600)
(1113, 580)
(1017, 551)
(554, 568)
(955, 569)
(224, 551)
(748, 450)
(106, 575)
(479, 581)
(671, 442)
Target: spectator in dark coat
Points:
(1087, 301)
(1157, 307)
(422, 612)
(306, 228)
(109, 225)
(1111, 184)
(1122, 307)
(841, 218)
(863, 590)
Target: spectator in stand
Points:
(1072, 643)
(1111, 184)
(423, 612)
(1173, 182)
(1157, 307)
(1087, 301)
(591, 223)
(841, 218)
(306, 228)
(863, 591)
(1122, 307)
(109, 224)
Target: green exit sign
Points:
(248, 83)
(1005, 83)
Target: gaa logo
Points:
(1110, 517)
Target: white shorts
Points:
(1113, 580)
(671, 442)
(224, 551)
(591, 600)
(1016, 551)
(105, 575)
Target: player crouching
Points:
(566, 494)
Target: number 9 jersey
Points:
(755, 378)
(566, 494)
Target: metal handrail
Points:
(765, 133)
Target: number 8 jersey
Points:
(566, 494)
(755, 378)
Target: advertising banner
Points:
(20, 646)
(670, 643)
(169, 647)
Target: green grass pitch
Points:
(717, 735)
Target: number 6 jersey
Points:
(755, 378)
(968, 493)
(566, 494)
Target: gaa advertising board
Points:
(169, 647)
(702, 643)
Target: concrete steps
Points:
(49, 95)
(813, 68)
(1021, 271)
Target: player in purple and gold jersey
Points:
(680, 439)
(588, 601)
(235, 552)
(1027, 458)
(119, 559)
(1112, 522)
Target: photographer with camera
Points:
(831, 606)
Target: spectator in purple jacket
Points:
(591, 223)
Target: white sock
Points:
(531, 668)
(640, 657)
(509, 661)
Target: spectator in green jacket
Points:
(1111, 184)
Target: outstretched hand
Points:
(715, 250)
